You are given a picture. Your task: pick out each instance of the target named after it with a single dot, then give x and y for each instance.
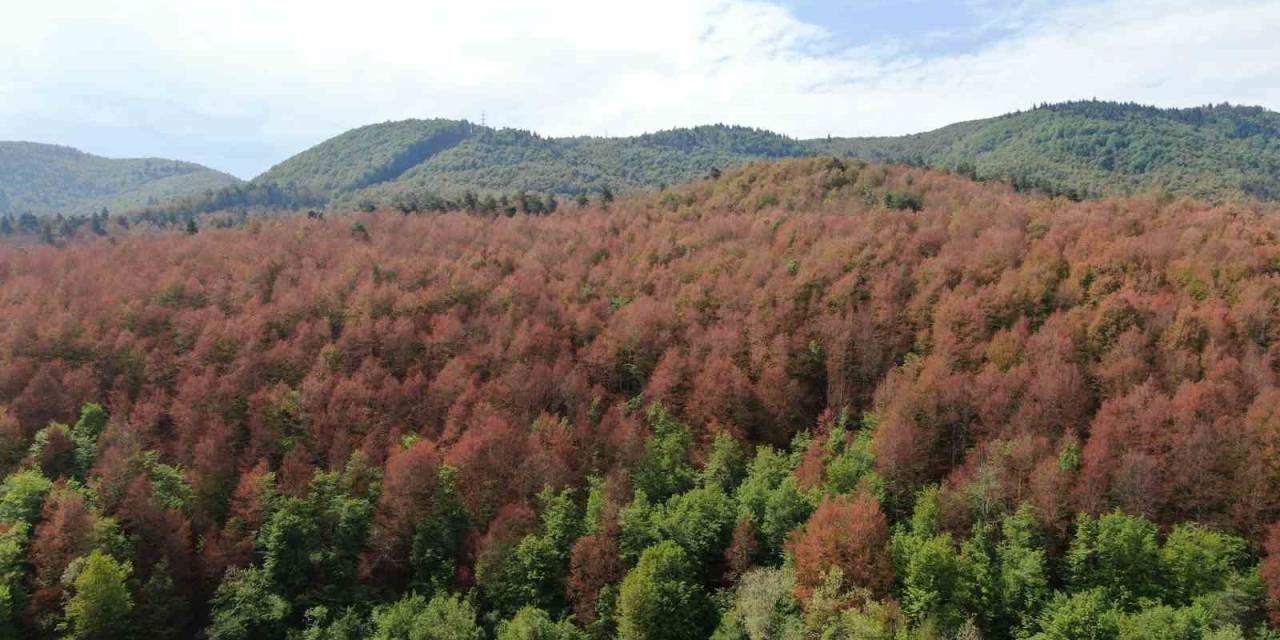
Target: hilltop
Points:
(1080, 149)
(45, 179)
(1094, 148)
(1077, 149)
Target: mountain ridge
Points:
(1078, 149)
(1075, 149)
(48, 178)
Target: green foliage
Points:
(700, 521)
(348, 626)
(1085, 615)
(13, 548)
(1164, 623)
(171, 486)
(312, 543)
(596, 504)
(763, 608)
(247, 607)
(531, 623)
(22, 496)
(726, 463)
(662, 598)
(533, 573)
(932, 582)
(664, 469)
(1079, 149)
(772, 496)
(850, 461)
(48, 179)
(1117, 553)
(364, 156)
(85, 432)
(1024, 572)
(444, 617)
(100, 605)
(1198, 561)
(438, 539)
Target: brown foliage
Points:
(849, 532)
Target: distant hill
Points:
(1096, 148)
(1077, 149)
(45, 179)
(381, 162)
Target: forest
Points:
(45, 179)
(1086, 149)
(807, 398)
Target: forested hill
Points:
(812, 398)
(1080, 149)
(1094, 148)
(388, 163)
(1077, 149)
(44, 179)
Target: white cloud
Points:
(241, 84)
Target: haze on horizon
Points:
(239, 87)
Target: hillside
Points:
(1098, 148)
(1079, 149)
(45, 179)
(810, 398)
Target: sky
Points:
(240, 85)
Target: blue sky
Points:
(924, 27)
(240, 84)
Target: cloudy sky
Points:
(241, 84)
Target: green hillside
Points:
(510, 160)
(1096, 148)
(365, 156)
(45, 179)
(1079, 149)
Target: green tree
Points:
(100, 605)
(13, 558)
(312, 544)
(764, 607)
(22, 495)
(1119, 554)
(726, 465)
(771, 495)
(1198, 560)
(534, 572)
(532, 623)
(246, 607)
(85, 432)
(662, 598)
(701, 521)
(438, 539)
(444, 617)
(348, 626)
(932, 583)
(1165, 623)
(1087, 615)
(664, 470)
(1024, 574)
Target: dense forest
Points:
(43, 179)
(1079, 150)
(1093, 148)
(812, 398)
